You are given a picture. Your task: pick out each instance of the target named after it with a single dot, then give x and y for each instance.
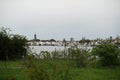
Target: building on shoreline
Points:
(72, 42)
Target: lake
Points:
(38, 49)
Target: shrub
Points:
(106, 54)
(11, 46)
(78, 56)
(44, 69)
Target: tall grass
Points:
(47, 69)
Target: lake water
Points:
(38, 49)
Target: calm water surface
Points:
(38, 49)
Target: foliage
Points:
(12, 46)
(79, 56)
(106, 54)
(84, 40)
(35, 72)
(44, 69)
(104, 73)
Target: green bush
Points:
(78, 56)
(106, 54)
(11, 46)
(46, 69)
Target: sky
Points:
(60, 19)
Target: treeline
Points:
(12, 46)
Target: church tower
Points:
(35, 37)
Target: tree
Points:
(52, 40)
(118, 41)
(84, 41)
(107, 54)
(64, 42)
(11, 46)
(18, 46)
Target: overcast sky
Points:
(60, 19)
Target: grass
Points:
(13, 72)
(10, 70)
(96, 74)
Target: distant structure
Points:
(71, 39)
(83, 42)
(35, 37)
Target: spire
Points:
(35, 37)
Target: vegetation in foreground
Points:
(17, 63)
(53, 66)
(12, 46)
(102, 73)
